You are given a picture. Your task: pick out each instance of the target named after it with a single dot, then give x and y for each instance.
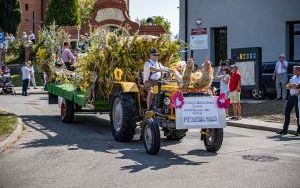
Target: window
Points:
(294, 41)
(26, 7)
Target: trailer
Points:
(73, 101)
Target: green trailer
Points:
(73, 101)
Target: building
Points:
(32, 15)
(273, 25)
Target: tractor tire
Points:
(177, 135)
(123, 116)
(151, 136)
(67, 111)
(213, 139)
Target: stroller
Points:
(6, 86)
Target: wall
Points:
(250, 23)
(27, 16)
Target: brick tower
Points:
(33, 13)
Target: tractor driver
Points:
(152, 73)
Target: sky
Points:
(146, 8)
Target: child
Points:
(224, 81)
(235, 92)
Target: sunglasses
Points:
(157, 55)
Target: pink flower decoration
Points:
(177, 100)
(223, 101)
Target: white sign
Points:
(199, 39)
(199, 42)
(110, 14)
(247, 71)
(200, 112)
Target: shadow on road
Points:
(93, 133)
(283, 138)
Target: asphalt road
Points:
(84, 154)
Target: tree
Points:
(158, 20)
(86, 9)
(63, 13)
(10, 15)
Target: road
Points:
(84, 154)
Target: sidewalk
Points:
(260, 125)
(31, 91)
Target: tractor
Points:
(128, 106)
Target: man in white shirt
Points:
(281, 77)
(25, 78)
(32, 37)
(152, 73)
(294, 87)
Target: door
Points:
(220, 44)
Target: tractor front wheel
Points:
(213, 139)
(151, 136)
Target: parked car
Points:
(268, 86)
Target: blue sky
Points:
(167, 8)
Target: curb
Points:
(13, 137)
(257, 127)
(36, 93)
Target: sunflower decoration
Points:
(118, 74)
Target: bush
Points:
(63, 13)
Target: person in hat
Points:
(280, 76)
(294, 87)
(152, 73)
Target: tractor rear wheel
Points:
(123, 116)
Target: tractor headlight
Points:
(167, 101)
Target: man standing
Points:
(281, 77)
(32, 37)
(67, 56)
(293, 86)
(235, 92)
(152, 73)
(25, 78)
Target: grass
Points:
(17, 79)
(7, 123)
(12, 59)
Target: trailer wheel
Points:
(177, 134)
(123, 116)
(213, 139)
(151, 136)
(67, 111)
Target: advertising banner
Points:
(200, 112)
(199, 39)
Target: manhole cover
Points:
(260, 158)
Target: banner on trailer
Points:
(200, 112)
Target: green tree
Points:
(86, 9)
(158, 20)
(63, 13)
(10, 15)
